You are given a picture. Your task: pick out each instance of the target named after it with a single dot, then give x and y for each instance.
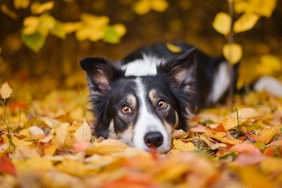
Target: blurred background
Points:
(41, 42)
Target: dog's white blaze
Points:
(142, 67)
(220, 83)
(147, 122)
(269, 84)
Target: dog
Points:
(144, 97)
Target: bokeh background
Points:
(55, 64)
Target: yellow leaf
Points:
(107, 146)
(72, 167)
(260, 7)
(50, 150)
(251, 177)
(271, 165)
(178, 144)
(6, 91)
(46, 24)
(70, 27)
(173, 173)
(26, 152)
(31, 165)
(245, 22)
(46, 139)
(120, 29)
(222, 137)
(239, 118)
(232, 52)
(159, 5)
(142, 7)
(30, 25)
(173, 48)
(268, 65)
(6, 10)
(265, 135)
(94, 21)
(21, 4)
(89, 33)
(38, 8)
(83, 133)
(222, 23)
(61, 133)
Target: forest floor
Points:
(47, 142)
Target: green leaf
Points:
(34, 41)
(260, 145)
(111, 35)
(207, 122)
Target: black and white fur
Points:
(151, 92)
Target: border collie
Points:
(153, 91)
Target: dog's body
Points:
(144, 97)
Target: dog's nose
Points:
(153, 139)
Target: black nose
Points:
(153, 139)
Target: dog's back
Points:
(212, 73)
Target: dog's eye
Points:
(162, 104)
(126, 110)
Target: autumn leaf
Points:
(6, 91)
(61, 133)
(18, 4)
(268, 65)
(83, 133)
(144, 6)
(182, 146)
(260, 7)
(38, 8)
(6, 165)
(173, 48)
(232, 52)
(222, 23)
(245, 22)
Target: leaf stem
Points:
(230, 39)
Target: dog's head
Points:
(141, 110)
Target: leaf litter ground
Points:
(48, 143)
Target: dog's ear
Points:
(100, 73)
(181, 68)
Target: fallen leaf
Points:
(32, 165)
(251, 177)
(240, 117)
(82, 145)
(83, 133)
(264, 136)
(245, 159)
(50, 150)
(35, 130)
(245, 148)
(178, 144)
(222, 137)
(61, 133)
(6, 166)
